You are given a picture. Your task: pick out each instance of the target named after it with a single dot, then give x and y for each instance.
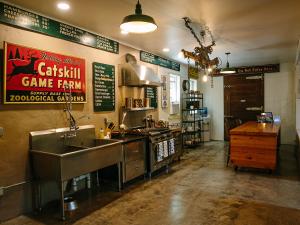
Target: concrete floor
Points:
(200, 190)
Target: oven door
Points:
(161, 151)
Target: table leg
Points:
(62, 196)
(119, 176)
(37, 205)
(39, 192)
(97, 177)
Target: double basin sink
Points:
(69, 148)
(59, 157)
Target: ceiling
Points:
(256, 32)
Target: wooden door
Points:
(243, 99)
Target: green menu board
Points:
(104, 87)
(151, 92)
(30, 21)
(157, 60)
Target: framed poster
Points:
(38, 76)
(164, 96)
(104, 87)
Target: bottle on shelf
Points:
(101, 133)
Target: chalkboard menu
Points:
(157, 60)
(104, 87)
(30, 21)
(151, 92)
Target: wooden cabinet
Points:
(254, 145)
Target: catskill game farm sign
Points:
(37, 76)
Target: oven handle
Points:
(160, 141)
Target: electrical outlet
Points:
(1, 131)
(1, 191)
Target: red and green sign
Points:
(37, 76)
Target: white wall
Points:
(297, 94)
(214, 101)
(279, 99)
(164, 113)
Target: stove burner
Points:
(149, 131)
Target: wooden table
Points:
(254, 145)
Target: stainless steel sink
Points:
(55, 157)
(101, 142)
(69, 148)
(58, 151)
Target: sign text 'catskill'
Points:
(36, 76)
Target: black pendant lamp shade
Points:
(228, 69)
(138, 22)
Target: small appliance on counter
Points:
(147, 102)
(138, 103)
(265, 117)
(128, 103)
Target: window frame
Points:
(194, 81)
(174, 78)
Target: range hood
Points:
(132, 74)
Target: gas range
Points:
(160, 147)
(149, 131)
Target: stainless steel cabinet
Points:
(134, 159)
(178, 144)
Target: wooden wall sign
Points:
(20, 18)
(270, 68)
(157, 60)
(104, 87)
(193, 73)
(37, 76)
(151, 92)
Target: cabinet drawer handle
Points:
(249, 157)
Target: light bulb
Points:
(180, 55)
(204, 78)
(63, 6)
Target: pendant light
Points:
(227, 70)
(138, 22)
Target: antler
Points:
(30, 53)
(187, 22)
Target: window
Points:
(193, 84)
(174, 88)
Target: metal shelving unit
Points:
(192, 109)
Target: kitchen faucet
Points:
(68, 108)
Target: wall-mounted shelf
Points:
(195, 109)
(192, 121)
(139, 109)
(194, 98)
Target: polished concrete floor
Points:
(199, 190)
